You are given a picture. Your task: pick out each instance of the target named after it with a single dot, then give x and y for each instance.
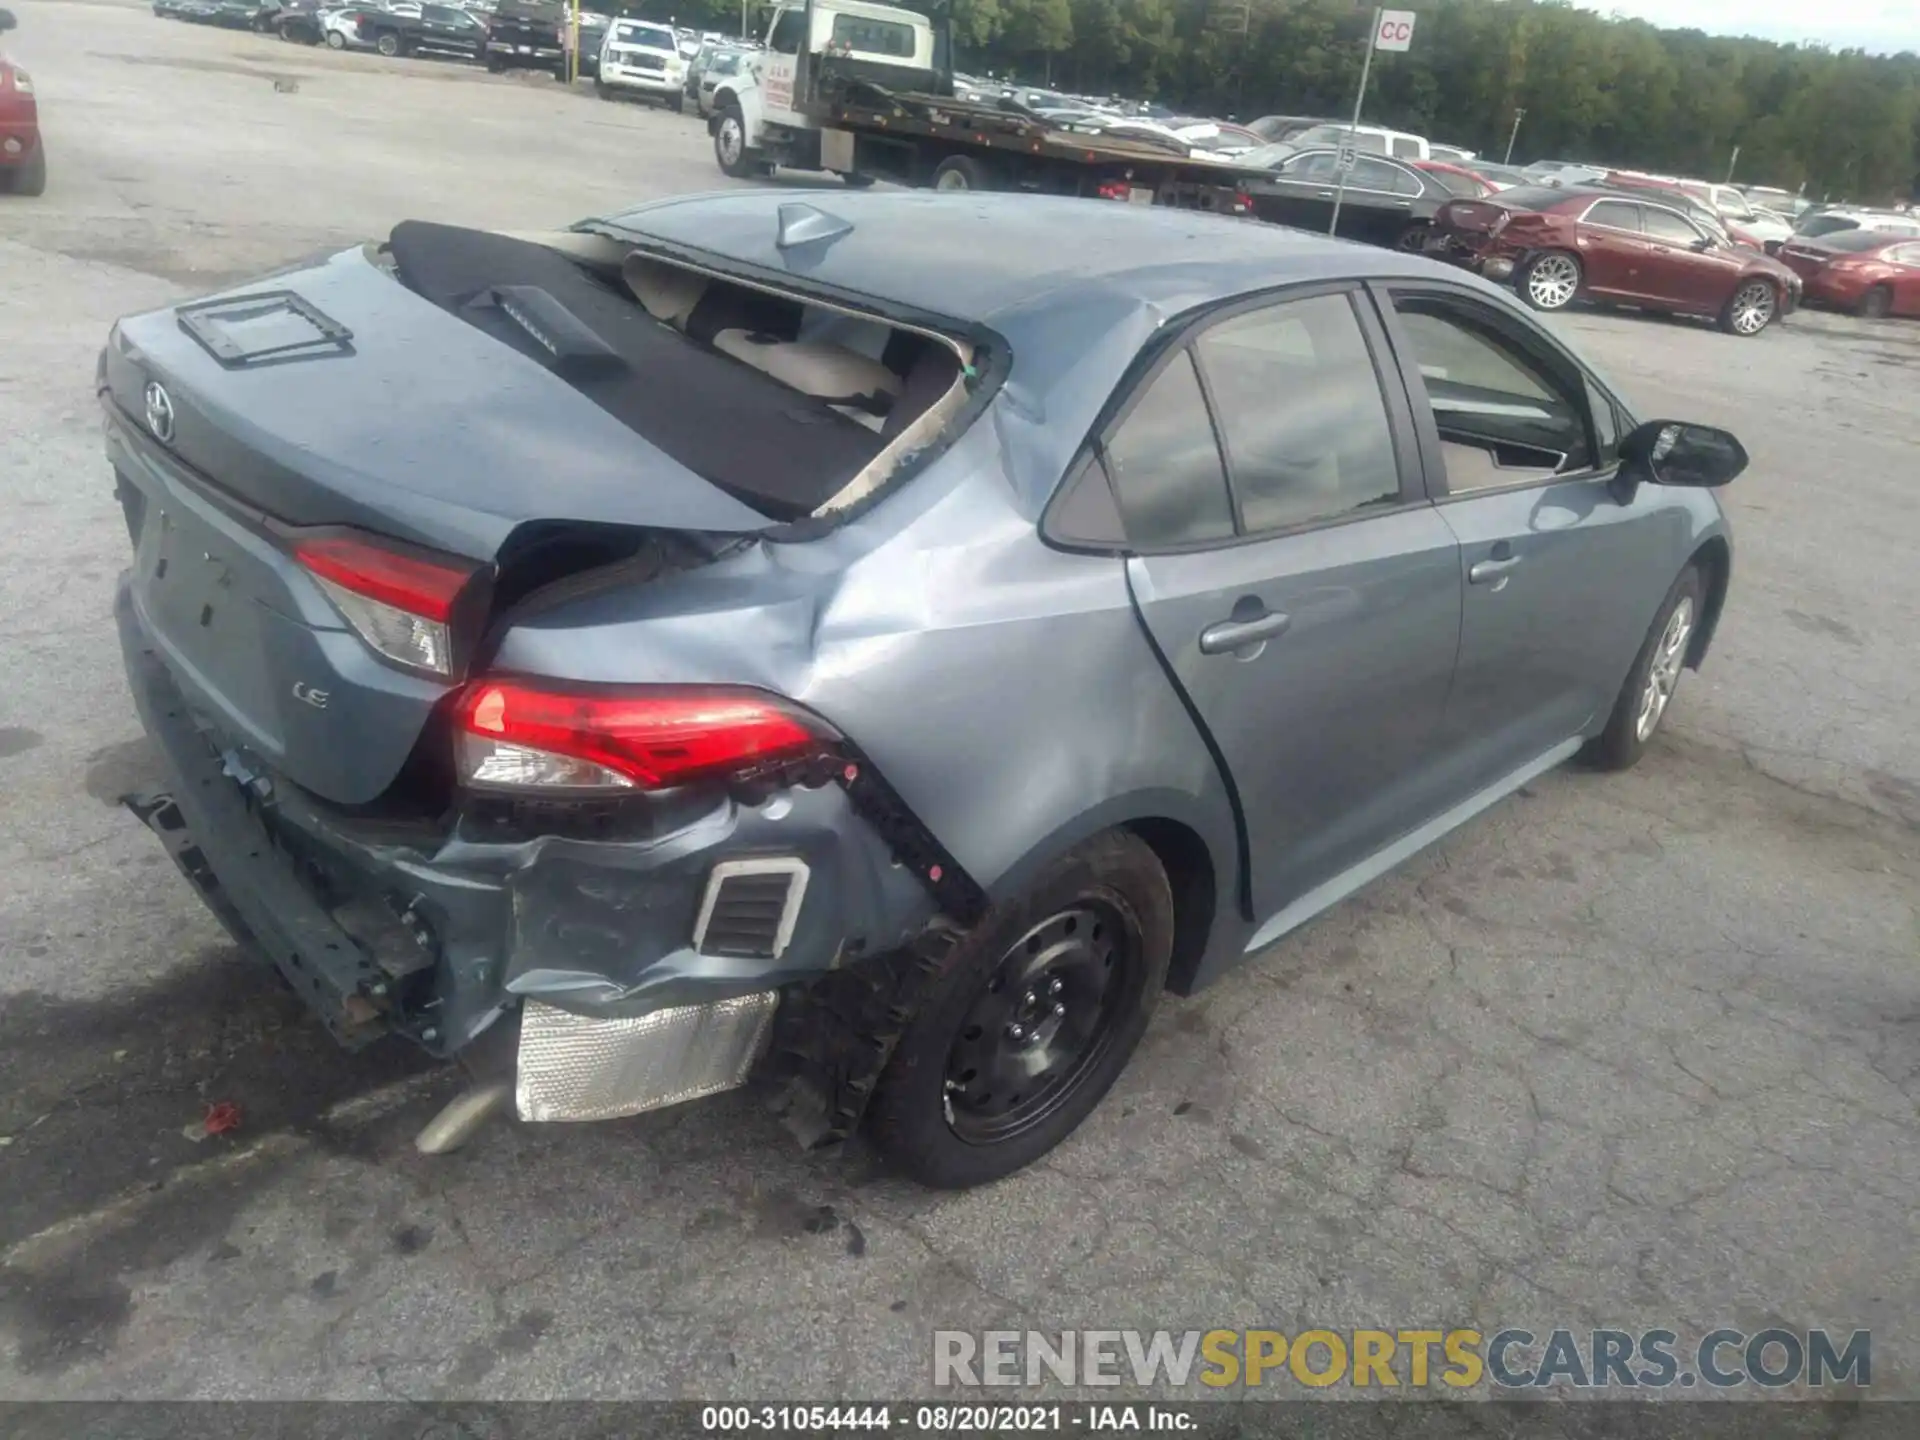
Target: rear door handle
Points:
(1230, 635)
(1485, 572)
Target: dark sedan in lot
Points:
(877, 642)
(1626, 246)
(1384, 201)
(1868, 272)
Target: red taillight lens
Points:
(1113, 189)
(420, 587)
(400, 604)
(513, 735)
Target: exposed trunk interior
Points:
(793, 407)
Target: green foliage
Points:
(1610, 91)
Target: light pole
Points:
(1518, 116)
(1359, 99)
(1732, 163)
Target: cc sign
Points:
(1395, 31)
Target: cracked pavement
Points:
(1627, 1051)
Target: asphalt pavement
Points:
(1628, 1051)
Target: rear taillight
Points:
(399, 603)
(1113, 190)
(513, 735)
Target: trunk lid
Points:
(1472, 222)
(356, 404)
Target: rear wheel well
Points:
(1190, 875)
(1715, 562)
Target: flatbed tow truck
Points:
(865, 91)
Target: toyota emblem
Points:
(159, 412)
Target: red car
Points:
(1631, 246)
(23, 159)
(1868, 272)
(1455, 179)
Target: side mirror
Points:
(1675, 452)
(7, 22)
(1702, 245)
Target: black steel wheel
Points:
(1043, 1019)
(1030, 1019)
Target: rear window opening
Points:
(794, 407)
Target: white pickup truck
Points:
(865, 91)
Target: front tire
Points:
(1752, 308)
(335, 40)
(389, 45)
(1647, 693)
(677, 104)
(1030, 1019)
(730, 145)
(1876, 304)
(1551, 281)
(1413, 239)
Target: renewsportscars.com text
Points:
(1457, 1359)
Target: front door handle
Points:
(1486, 572)
(1230, 635)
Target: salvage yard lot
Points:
(1634, 1051)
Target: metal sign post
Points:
(1391, 30)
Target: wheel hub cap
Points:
(1553, 281)
(1041, 1022)
(1669, 656)
(1752, 308)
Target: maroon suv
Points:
(1630, 246)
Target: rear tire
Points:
(1413, 239)
(335, 40)
(1647, 693)
(1051, 992)
(389, 45)
(963, 172)
(1753, 306)
(30, 178)
(1551, 281)
(1876, 304)
(856, 181)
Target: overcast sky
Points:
(1883, 25)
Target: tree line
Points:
(1593, 88)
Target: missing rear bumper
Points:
(585, 1067)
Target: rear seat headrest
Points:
(665, 292)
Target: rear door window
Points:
(1615, 215)
(1371, 174)
(1164, 462)
(1301, 413)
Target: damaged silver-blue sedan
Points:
(871, 644)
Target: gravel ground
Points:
(1631, 1051)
